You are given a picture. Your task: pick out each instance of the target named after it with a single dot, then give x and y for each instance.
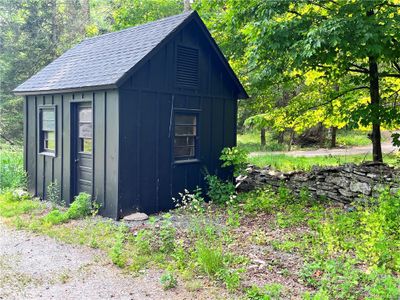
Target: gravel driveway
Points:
(38, 267)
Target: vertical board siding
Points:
(42, 170)
(149, 178)
(112, 152)
(31, 146)
(148, 144)
(99, 131)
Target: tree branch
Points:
(357, 70)
(334, 98)
(397, 66)
(359, 67)
(389, 75)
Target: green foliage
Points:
(116, 253)
(267, 292)
(131, 13)
(81, 207)
(12, 205)
(234, 157)
(193, 202)
(12, 173)
(53, 194)
(220, 192)
(168, 281)
(289, 163)
(210, 259)
(250, 142)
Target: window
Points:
(47, 116)
(85, 129)
(187, 67)
(185, 136)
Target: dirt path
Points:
(386, 148)
(38, 267)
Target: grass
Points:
(353, 138)
(289, 163)
(12, 174)
(344, 255)
(250, 140)
(334, 253)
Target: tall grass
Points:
(12, 174)
(289, 163)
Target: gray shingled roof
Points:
(102, 60)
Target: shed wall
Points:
(43, 170)
(149, 177)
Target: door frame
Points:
(74, 106)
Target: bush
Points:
(81, 206)
(168, 281)
(12, 173)
(210, 259)
(235, 157)
(219, 191)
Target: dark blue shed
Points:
(131, 117)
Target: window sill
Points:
(51, 154)
(187, 161)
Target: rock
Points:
(136, 217)
(360, 187)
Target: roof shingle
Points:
(102, 60)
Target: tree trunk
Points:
(187, 6)
(375, 106)
(333, 136)
(262, 138)
(86, 12)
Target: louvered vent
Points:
(187, 67)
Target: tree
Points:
(357, 40)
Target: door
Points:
(83, 148)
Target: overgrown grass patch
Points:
(12, 173)
(345, 254)
(290, 163)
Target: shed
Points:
(132, 117)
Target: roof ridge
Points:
(138, 26)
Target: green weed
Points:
(168, 281)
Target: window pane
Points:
(85, 115)
(48, 125)
(85, 130)
(86, 145)
(48, 115)
(184, 152)
(181, 119)
(50, 140)
(184, 141)
(185, 130)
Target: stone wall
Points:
(344, 183)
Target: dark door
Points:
(83, 148)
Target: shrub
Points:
(219, 191)
(210, 259)
(116, 253)
(168, 281)
(193, 202)
(12, 173)
(235, 157)
(54, 193)
(81, 206)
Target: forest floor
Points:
(387, 148)
(34, 266)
